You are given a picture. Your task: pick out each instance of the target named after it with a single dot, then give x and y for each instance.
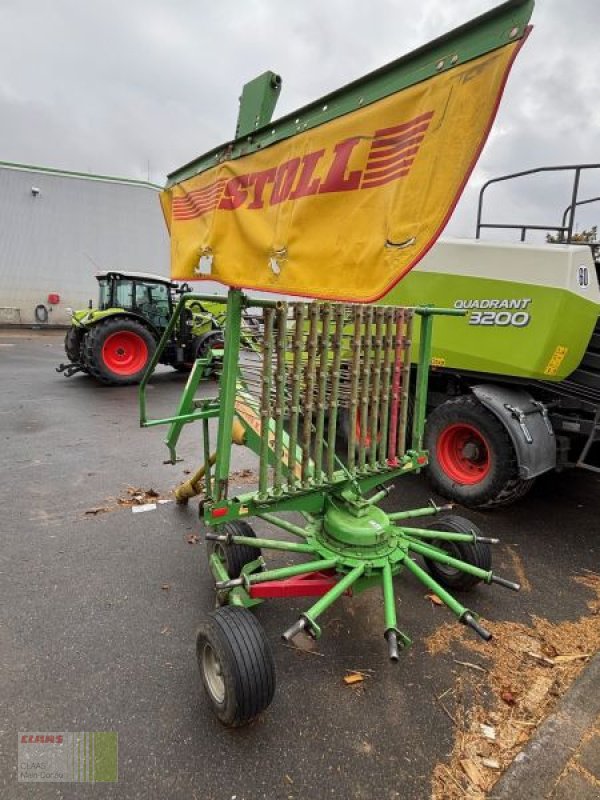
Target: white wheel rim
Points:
(213, 674)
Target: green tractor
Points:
(115, 341)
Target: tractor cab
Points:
(149, 296)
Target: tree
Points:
(584, 237)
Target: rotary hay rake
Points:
(308, 366)
(337, 201)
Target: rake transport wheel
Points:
(471, 457)
(234, 556)
(236, 665)
(118, 351)
(477, 554)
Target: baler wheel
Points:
(236, 665)
(472, 459)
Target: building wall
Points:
(56, 240)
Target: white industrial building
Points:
(57, 229)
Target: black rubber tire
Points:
(477, 554)
(94, 343)
(73, 341)
(502, 484)
(236, 665)
(234, 556)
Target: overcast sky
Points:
(136, 88)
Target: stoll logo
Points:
(67, 757)
(390, 156)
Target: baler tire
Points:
(236, 665)
(489, 482)
(234, 556)
(477, 554)
(135, 334)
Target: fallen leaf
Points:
(192, 538)
(165, 630)
(98, 510)
(434, 599)
(352, 678)
(509, 698)
(152, 493)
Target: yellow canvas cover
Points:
(344, 210)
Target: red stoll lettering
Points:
(235, 193)
(284, 180)
(336, 180)
(260, 180)
(306, 185)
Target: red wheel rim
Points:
(464, 454)
(125, 353)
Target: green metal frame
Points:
(345, 531)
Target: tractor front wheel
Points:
(472, 459)
(118, 351)
(73, 340)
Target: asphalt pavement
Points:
(99, 611)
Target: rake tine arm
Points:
(308, 619)
(465, 615)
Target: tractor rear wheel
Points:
(118, 350)
(236, 665)
(472, 459)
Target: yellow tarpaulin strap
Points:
(343, 210)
